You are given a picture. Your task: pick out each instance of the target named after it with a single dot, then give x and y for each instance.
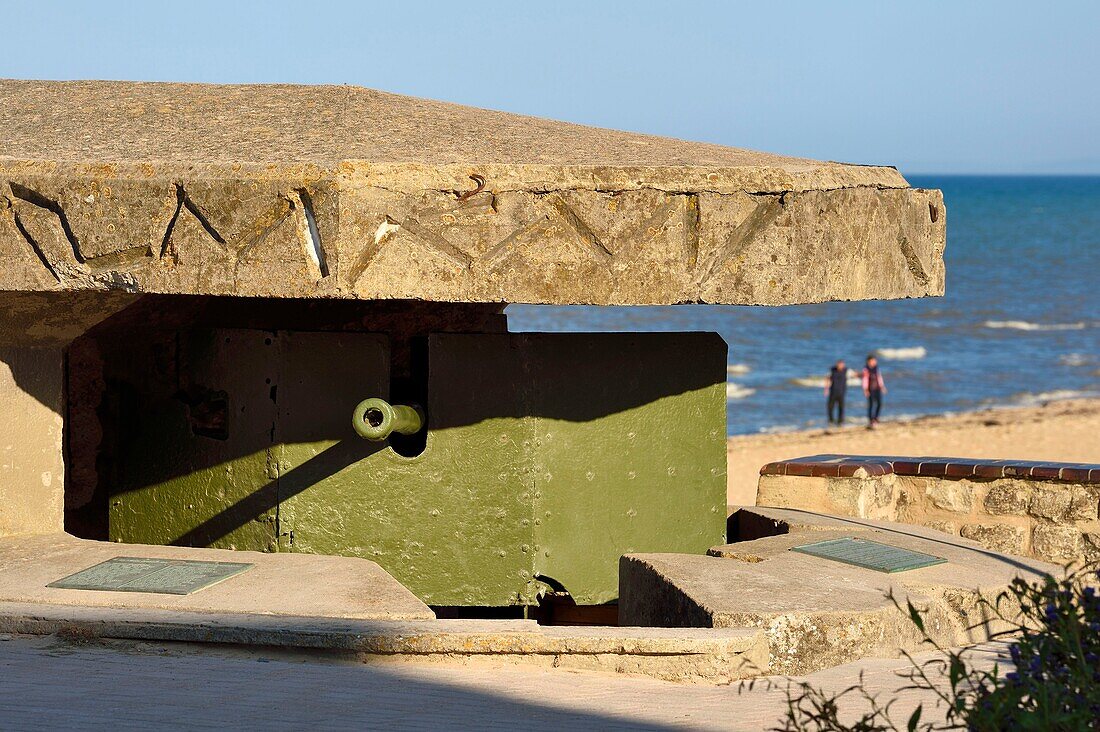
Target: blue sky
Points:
(1000, 87)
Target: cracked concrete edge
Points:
(312, 235)
(344, 192)
(674, 654)
(455, 178)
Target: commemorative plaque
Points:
(869, 554)
(163, 576)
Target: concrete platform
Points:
(819, 613)
(342, 607)
(277, 584)
(748, 609)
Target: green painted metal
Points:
(547, 457)
(176, 486)
(629, 451)
(376, 419)
(180, 486)
(447, 523)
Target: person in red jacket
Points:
(873, 388)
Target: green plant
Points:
(1053, 684)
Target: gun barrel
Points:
(376, 419)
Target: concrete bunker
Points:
(195, 301)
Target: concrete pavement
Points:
(49, 683)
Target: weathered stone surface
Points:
(1008, 498)
(951, 495)
(345, 192)
(814, 612)
(946, 527)
(1050, 502)
(867, 498)
(998, 537)
(1056, 543)
(819, 494)
(1091, 542)
(1056, 512)
(1083, 503)
(852, 496)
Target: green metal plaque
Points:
(163, 576)
(869, 555)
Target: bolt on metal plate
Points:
(162, 576)
(869, 555)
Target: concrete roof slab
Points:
(344, 192)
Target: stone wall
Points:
(1048, 520)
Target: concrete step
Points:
(672, 654)
(816, 612)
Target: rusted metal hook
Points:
(480, 187)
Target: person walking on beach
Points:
(873, 388)
(836, 384)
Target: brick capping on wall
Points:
(847, 466)
(1050, 511)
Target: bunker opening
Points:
(469, 462)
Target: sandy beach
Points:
(1065, 431)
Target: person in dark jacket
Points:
(836, 384)
(873, 388)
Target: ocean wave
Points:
(818, 382)
(737, 369)
(736, 391)
(1028, 399)
(1076, 359)
(911, 353)
(914, 416)
(779, 428)
(1024, 325)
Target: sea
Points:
(1019, 325)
